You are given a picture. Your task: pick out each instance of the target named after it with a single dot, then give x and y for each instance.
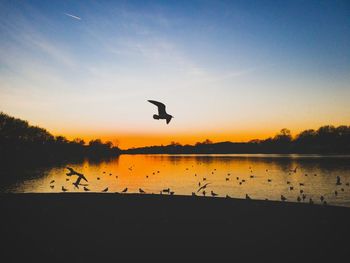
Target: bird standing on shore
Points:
(162, 115)
(213, 194)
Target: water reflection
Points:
(259, 176)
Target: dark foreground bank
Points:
(95, 227)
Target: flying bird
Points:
(73, 172)
(203, 187)
(162, 115)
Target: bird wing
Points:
(202, 187)
(82, 176)
(161, 106)
(168, 120)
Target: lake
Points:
(261, 176)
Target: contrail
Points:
(76, 17)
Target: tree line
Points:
(325, 140)
(18, 139)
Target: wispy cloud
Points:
(73, 16)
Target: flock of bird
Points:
(203, 185)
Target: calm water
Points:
(183, 173)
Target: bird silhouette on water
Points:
(213, 194)
(64, 189)
(125, 190)
(105, 190)
(162, 114)
(338, 181)
(141, 191)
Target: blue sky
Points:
(232, 70)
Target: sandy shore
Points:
(81, 227)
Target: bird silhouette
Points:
(86, 189)
(52, 181)
(73, 172)
(125, 190)
(162, 115)
(52, 186)
(203, 187)
(64, 189)
(213, 194)
(105, 190)
(141, 191)
(283, 198)
(166, 190)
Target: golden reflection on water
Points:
(183, 173)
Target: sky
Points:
(227, 70)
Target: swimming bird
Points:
(338, 181)
(304, 196)
(203, 187)
(105, 190)
(125, 190)
(204, 179)
(162, 115)
(269, 180)
(52, 181)
(283, 198)
(247, 197)
(227, 196)
(227, 179)
(64, 189)
(52, 186)
(141, 191)
(291, 188)
(172, 193)
(301, 184)
(86, 189)
(288, 182)
(166, 190)
(213, 194)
